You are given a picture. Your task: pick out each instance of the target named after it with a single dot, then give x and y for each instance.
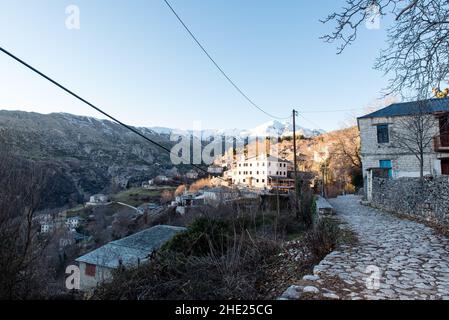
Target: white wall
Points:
(87, 282)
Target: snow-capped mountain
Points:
(269, 129)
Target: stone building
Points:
(379, 132)
(97, 266)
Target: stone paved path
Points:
(412, 260)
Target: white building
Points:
(46, 227)
(98, 199)
(192, 174)
(74, 222)
(259, 172)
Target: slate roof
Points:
(220, 190)
(269, 158)
(408, 108)
(131, 249)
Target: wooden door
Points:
(445, 166)
(444, 131)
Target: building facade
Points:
(97, 266)
(259, 172)
(380, 147)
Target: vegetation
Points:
(136, 196)
(200, 184)
(222, 255)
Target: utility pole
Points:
(295, 207)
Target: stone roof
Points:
(409, 108)
(265, 158)
(131, 249)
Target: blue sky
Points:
(135, 60)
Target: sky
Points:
(134, 59)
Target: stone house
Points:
(380, 150)
(219, 194)
(97, 266)
(98, 199)
(192, 174)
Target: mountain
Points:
(268, 129)
(85, 155)
(281, 129)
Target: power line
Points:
(331, 111)
(310, 121)
(95, 107)
(245, 96)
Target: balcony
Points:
(441, 143)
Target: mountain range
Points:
(268, 129)
(88, 155)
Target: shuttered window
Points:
(90, 270)
(382, 133)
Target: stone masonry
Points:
(394, 259)
(427, 200)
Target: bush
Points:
(215, 276)
(201, 235)
(323, 238)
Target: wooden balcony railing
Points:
(441, 143)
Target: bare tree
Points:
(347, 147)
(414, 133)
(417, 55)
(22, 272)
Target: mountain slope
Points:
(89, 155)
(94, 154)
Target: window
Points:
(263, 180)
(257, 180)
(382, 133)
(386, 164)
(90, 270)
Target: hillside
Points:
(87, 154)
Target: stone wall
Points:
(427, 200)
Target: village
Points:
(227, 151)
(133, 222)
(260, 182)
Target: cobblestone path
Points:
(395, 259)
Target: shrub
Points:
(323, 238)
(201, 235)
(215, 276)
